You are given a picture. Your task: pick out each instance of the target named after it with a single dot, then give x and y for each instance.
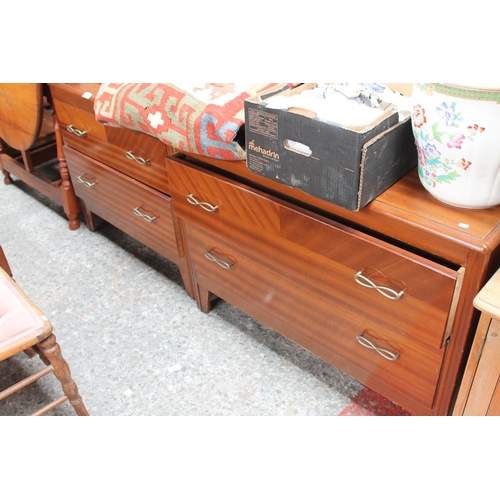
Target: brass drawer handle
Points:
(146, 217)
(87, 183)
(385, 353)
(384, 290)
(203, 204)
(73, 130)
(222, 263)
(138, 159)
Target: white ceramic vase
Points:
(457, 134)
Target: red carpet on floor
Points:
(369, 403)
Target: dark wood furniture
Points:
(29, 139)
(23, 327)
(385, 294)
(119, 175)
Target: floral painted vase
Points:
(457, 134)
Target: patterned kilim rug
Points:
(201, 118)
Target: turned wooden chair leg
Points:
(36, 350)
(30, 352)
(50, 349)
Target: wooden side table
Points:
(29, 131)
(479, 392)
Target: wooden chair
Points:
(29, 139)
(23, 327)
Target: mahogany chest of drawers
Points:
(384, 294)
(118, 174)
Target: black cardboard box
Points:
(341, 165)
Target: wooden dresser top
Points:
(405, 212)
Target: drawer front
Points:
(131, 152)
(212, 200)
(139, 211)
(369, 273)
(411, 292)
(352, 337)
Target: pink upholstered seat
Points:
(22, 324)
(23, 327)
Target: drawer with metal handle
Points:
(211, 200)
(349, 335)
(378, 275)
(138, 210)
(131, 152)
(371, 273)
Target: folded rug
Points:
(204, 118)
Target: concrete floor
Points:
(138, 345)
